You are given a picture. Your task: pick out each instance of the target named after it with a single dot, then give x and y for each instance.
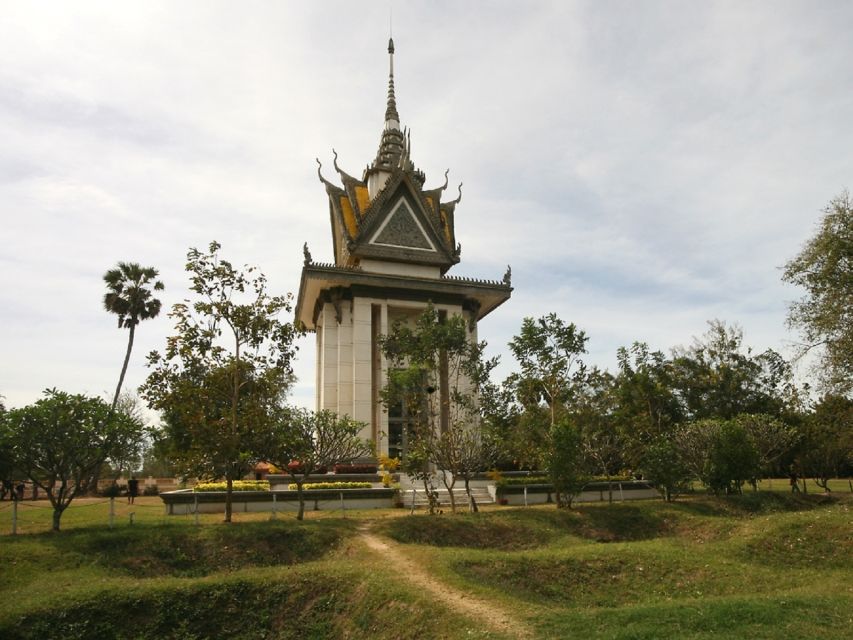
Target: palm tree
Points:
(129, 296)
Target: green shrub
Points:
(308, 486)
(151, 490)
(238, 485)
(514, 482)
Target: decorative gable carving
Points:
(402, 229)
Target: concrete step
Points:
(480, 494)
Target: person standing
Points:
(132, 489)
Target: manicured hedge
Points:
(237, 485)
(355, 468)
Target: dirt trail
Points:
(480, 610)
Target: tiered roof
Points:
(387, 214)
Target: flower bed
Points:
(316, 486)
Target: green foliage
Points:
(548, 350)
(718, 377)
(316, 439)
(308, 486)
(435, 373)
(646, 402)
(61, 442)
(515, 482)
(221, 381)
(129, 296)
(663, 465)
(824, 316)
(565, 462)
(733, 459)
(236, 485)
(827, 449)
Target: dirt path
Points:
(480, 610)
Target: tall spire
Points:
(392, 118)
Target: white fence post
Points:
(414, 493)
(525, 495)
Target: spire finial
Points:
(392, 118)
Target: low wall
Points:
(593, 492)
(186, 501)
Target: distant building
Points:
(394, 242)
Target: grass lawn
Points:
(763, 565)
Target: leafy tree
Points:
(772, 439)
(663, 465)
(7, 462)
(61, 441)
(718, 377)
(314, 440)
(733, 459)
(824, 316)
(647, 406)
(828, 440)
(693, 442)
(566, 463)
(129, 296)
(436, 372)
(221, 382)
(460, 452)
(548, 350)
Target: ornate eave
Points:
(322, 283)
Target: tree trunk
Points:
(124, 366)
(449, 488)
(301, 513)
(229, 484)
(472, 504)
(57, 514)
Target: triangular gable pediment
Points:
(402, 229)
(398, 227)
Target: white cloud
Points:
(643, 167)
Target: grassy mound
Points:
(820, 542)
(305, 604)
(186, 551)
(522, 528)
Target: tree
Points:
(647, 406)
(824, 316)
(547, 351)
(303, 441)
(772, 439)
(827, 446)
(7, 462)
(718, 377)
(129, 296)
(61, 441)
(460, 452)
(663, 465)
(733, 459)
(221, 382)
(566, 463)
(435, 374)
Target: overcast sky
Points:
(643, 166)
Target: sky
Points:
(644, 167)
